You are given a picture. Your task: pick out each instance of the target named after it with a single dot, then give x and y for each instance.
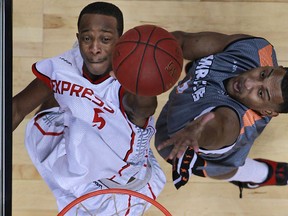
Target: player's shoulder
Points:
(66, 60)
(66, 57)
(256, 51)
(251, 42)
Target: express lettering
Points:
(61, 87)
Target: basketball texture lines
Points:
(147, 60)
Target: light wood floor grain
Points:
(44, 28)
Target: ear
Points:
(269, 113)
(77, 35)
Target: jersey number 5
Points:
(98, 121)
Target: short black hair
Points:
(284, 89)
(104, 8)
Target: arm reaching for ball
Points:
(201, 44)
(138, 108)
(211, 131)
(188, 136)
(147, 61)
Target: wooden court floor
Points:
(44, 28)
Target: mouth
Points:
(96, 61)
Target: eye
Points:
(86, 38)
(262, 74)
(106, 39)
(260, 93)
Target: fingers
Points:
(179, 147)
(187, 137)
(165, 144)
(176, 152)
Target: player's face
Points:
(259, 89)
(97, 37)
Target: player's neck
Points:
(92, 77)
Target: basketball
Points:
(147, 60)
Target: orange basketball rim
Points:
(116, 191)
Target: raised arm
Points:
(197, 45)
(211, 131)
(29, 99)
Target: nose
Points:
(95, 47)
(251, 83)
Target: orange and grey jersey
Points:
(203, 90)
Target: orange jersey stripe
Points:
(249, 119)
(265, 55)
(204, 171)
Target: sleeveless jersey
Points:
(202, 90)
(89, 137)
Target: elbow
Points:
(179, 37)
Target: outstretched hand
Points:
(188, 136)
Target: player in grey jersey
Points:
(232, 89)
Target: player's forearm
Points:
(29, 99)
(16, 116)
(139, 108)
